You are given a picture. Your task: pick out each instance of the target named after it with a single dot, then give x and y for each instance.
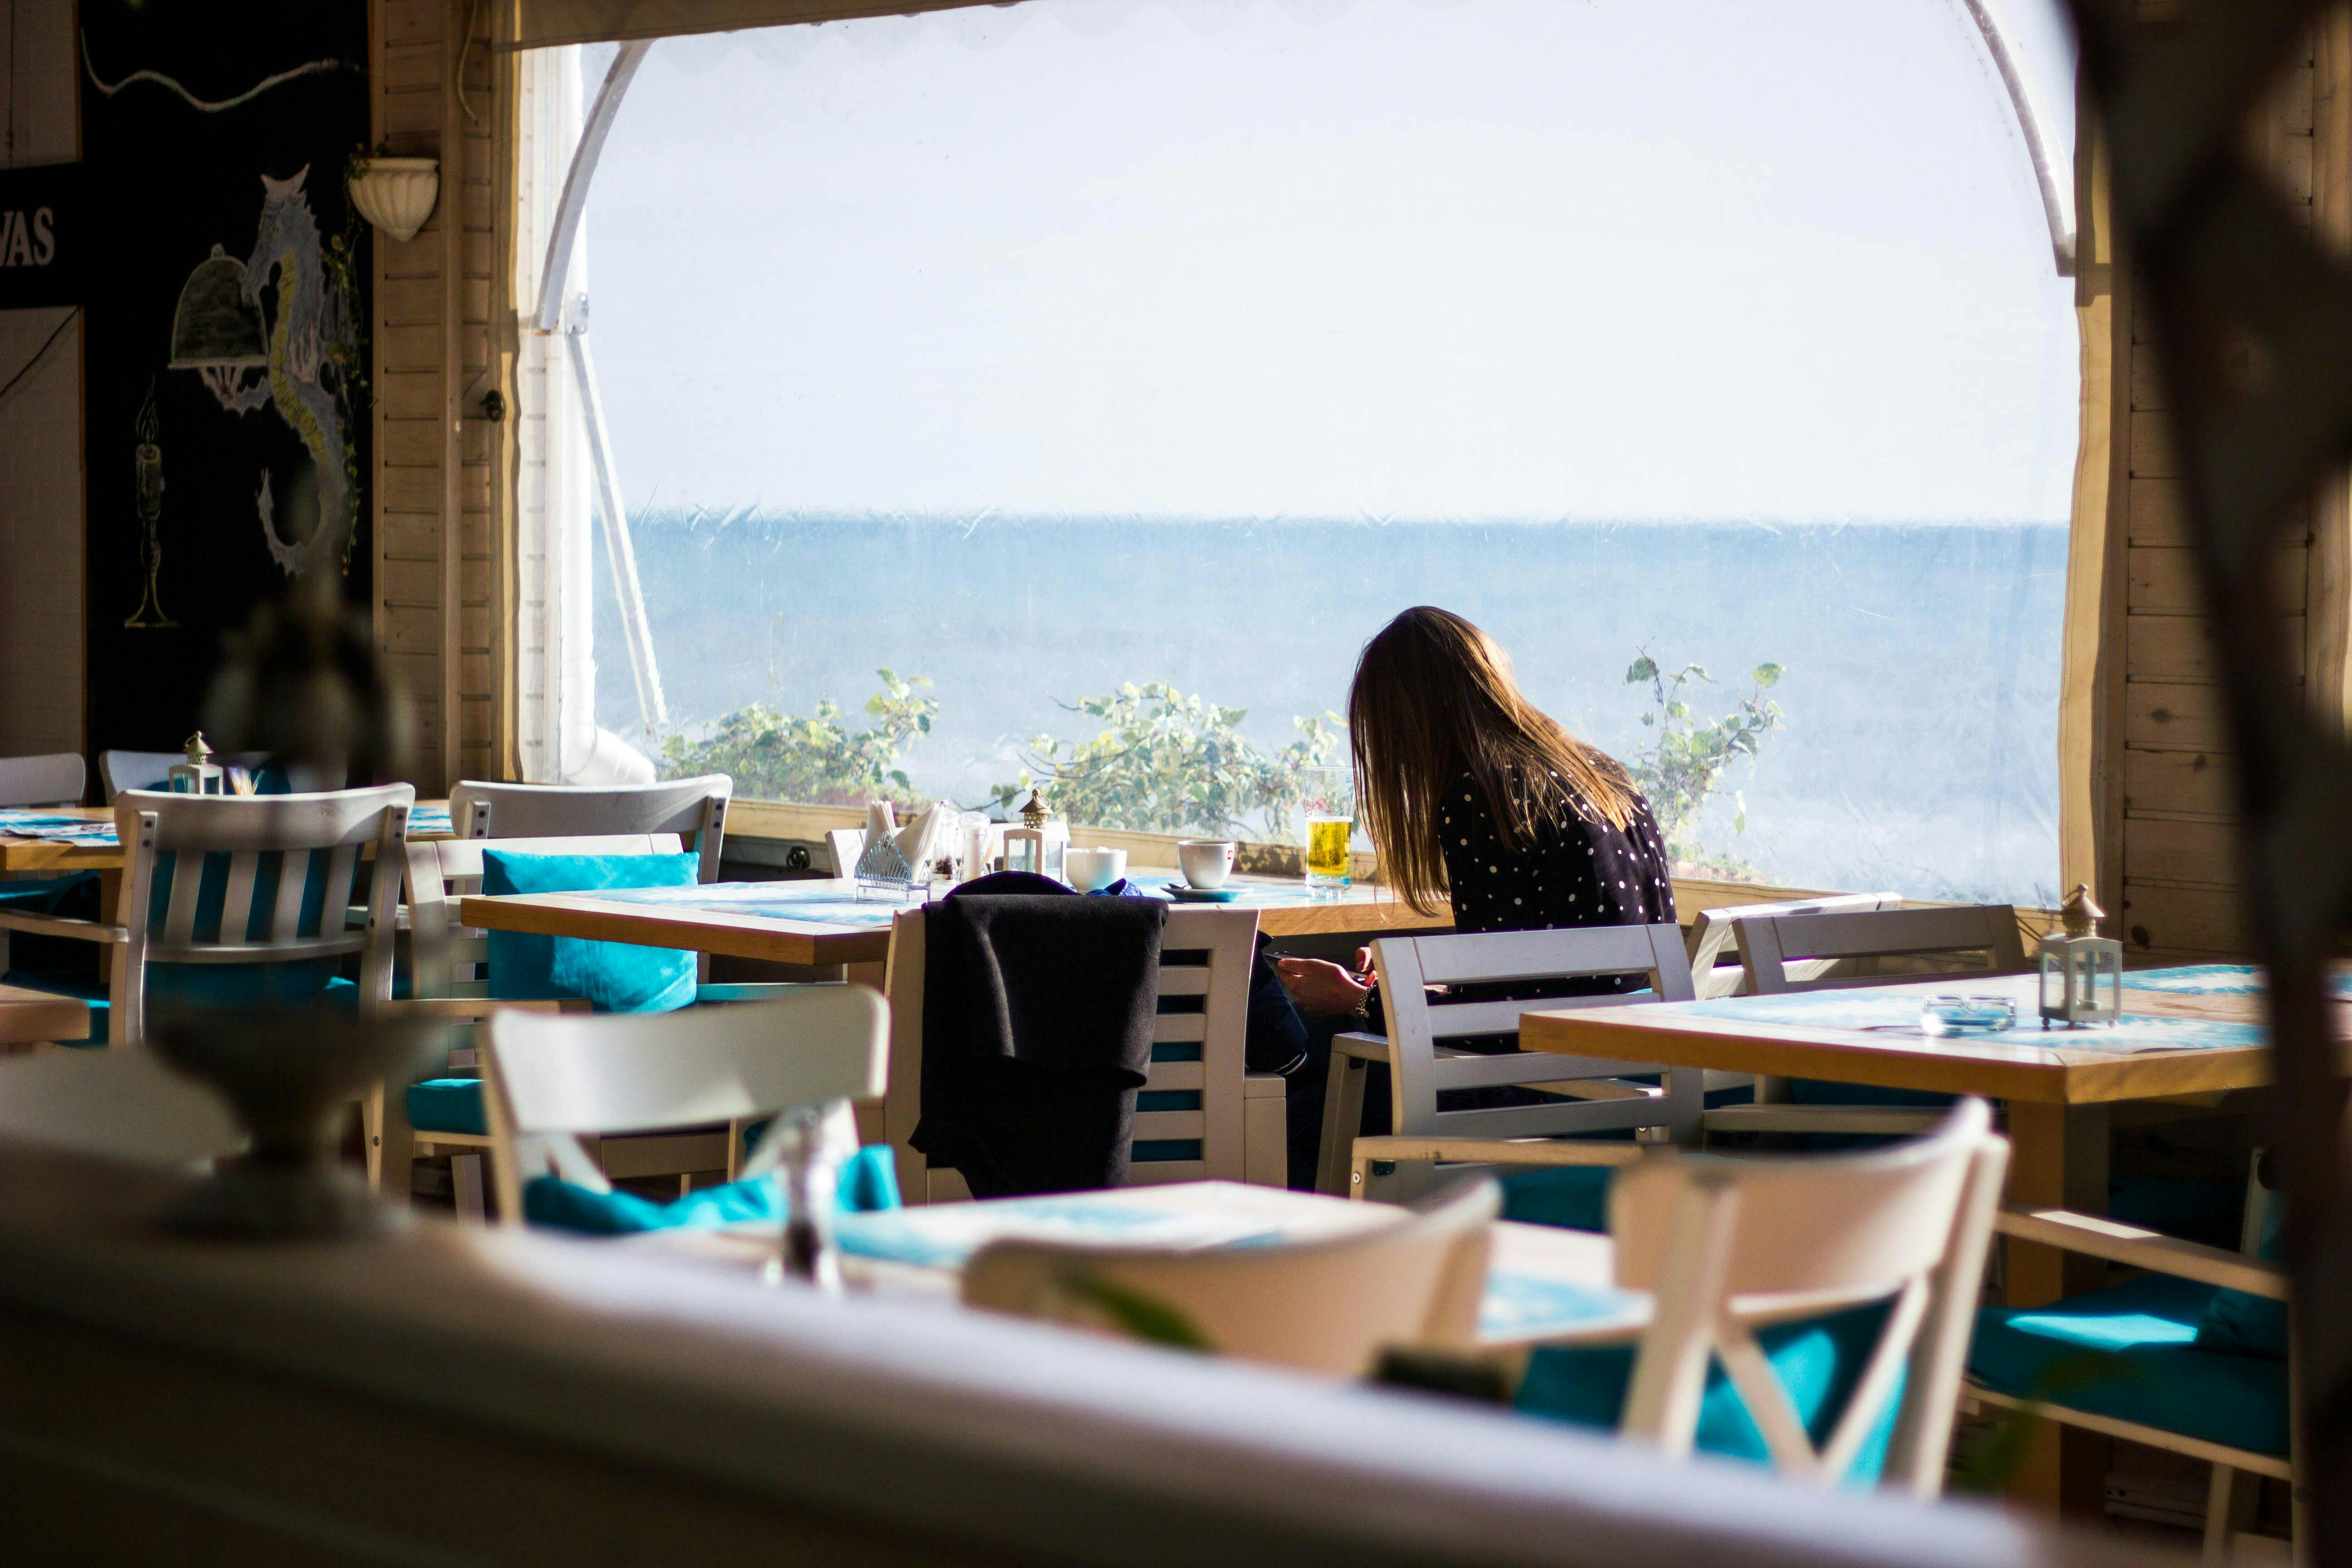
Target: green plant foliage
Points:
(817, 759)
(1167, 763)
(1683, 762)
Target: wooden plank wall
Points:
(442, 492)
(2172, 870)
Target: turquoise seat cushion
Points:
(614, 976)
(1573, 1197)
(2239, 1322)
(2130, 1353)
(869, 1181)
(447, 1105)
(1819, 1361)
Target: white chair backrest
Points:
(1768, 946)
(119, 771)
(696, 805)
(1728, 1245)
(1206, 953)
(1327, 1306)
(308, 845)
(551, 1076)
(1711, 941)
(57, 779)
(451, 960)
(125, 1104)
(1419, 1024)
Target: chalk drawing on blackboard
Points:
(148, 457)
(269, 333)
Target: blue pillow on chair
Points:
(2240, 1322)
(1818, 1360)
(869, 1181)
(615, 976)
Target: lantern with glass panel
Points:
(2082, 972)
(199, 775)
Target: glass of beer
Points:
(1329, 806)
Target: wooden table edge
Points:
(561, 914)
(1736, 1045)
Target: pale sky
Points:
(1436, 258)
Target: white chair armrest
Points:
(2097, 1237)
(1530, 1151)
(1363, 1047)
(1265, 1086)
(62, 925)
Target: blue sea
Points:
(1922, 659)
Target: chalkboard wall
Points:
(225, 427)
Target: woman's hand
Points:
(1316, 987)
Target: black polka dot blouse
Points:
(1577, 871)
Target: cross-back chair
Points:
(1730, 1246)
(1201, 1115)
(695, 807)
(1328, 1306)
(555, 1083)
(1595, 1094)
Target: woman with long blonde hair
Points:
(1471, 793)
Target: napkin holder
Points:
(896, 865)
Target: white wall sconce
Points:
(396, 194)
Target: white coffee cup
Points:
(1092, 870)
(1206, 862)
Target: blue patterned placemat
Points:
(822, 905)
(429, 820)
(1895, 1017)
(77, 830)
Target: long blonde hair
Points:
(1434, 699)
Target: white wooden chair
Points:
(1328, 1307)
(449, 969)
(1712, 941)
(696, 807)
(305, 842)
(2228, 1505)
(1729, 1246)
(57, 779)
(1834, 950)
(1235, 1117)
(555, 1083)
(846, 844)
(1422, 1065)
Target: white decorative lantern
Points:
(396, 194)
(199, 775)
(2081, 973)
(1041, 842)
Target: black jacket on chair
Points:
(1037, 1024)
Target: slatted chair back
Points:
(1423, 1063)
(1715, 969)
(287, 869)
(552, 1077)
(695, 807)
(57, 779)
(1196, 1118)
(451, 960)
(1770, 947)
(1727, 1246)
(118, 771)
(1328, 1307)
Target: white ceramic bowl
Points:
(1092, 870)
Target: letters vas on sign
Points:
(41, 222)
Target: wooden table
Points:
(757, 920)
(1545, 1285)
(2058, 1085)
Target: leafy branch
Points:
(817, 759)
(1683, 765)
